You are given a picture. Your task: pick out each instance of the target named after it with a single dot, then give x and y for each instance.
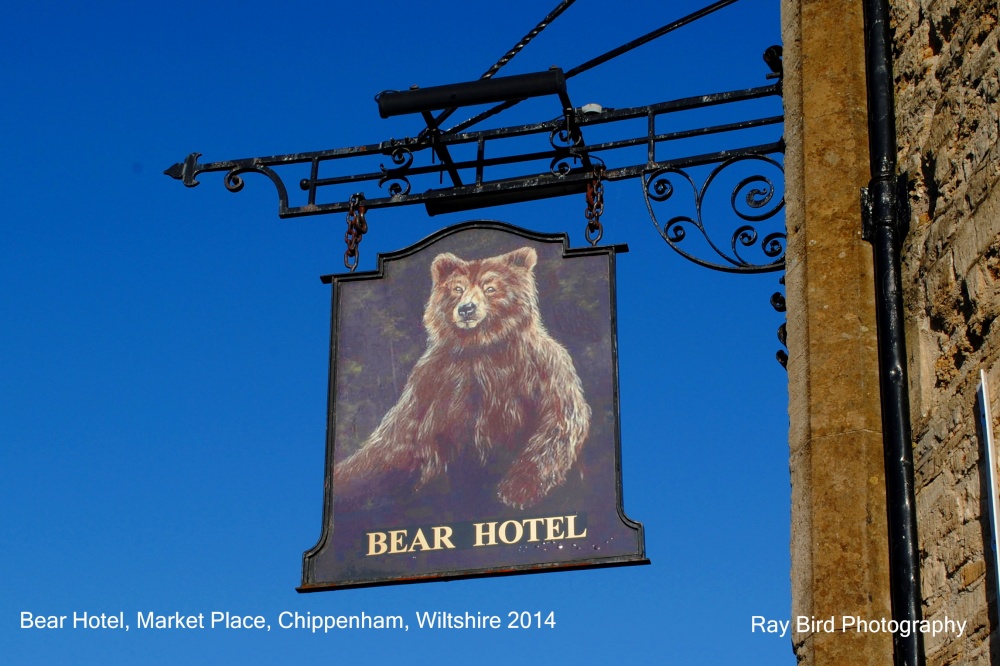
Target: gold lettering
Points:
(571, 529)
(419, 540)
(397, 545)
(442, 537)
(376, 543)
(485, 530)
(552, 527)
(532, 525)
(508, 532)
(518, 531)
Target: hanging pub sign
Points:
(473, 414)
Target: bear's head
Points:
(484, 301)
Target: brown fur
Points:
(491, 383)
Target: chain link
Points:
(595, 206)
(357, 226)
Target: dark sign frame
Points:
(535, 484)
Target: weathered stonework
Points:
(947, 71)
(948, 122)
(839, 546)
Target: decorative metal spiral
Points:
(233, 181)
(399, 184)
(560, 137)
(754, 199)
(562, 165)
(661, 189)
(402, 157)
(773, 244)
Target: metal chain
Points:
(357, 226)
(595, 206)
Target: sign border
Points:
(309, 582)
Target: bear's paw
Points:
(523, 486)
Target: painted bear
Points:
(493, 385)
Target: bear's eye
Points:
(459, 290)
(490, 290)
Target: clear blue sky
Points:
(163, 351)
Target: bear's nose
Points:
(466, 310)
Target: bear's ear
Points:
(526, 258)
(444, 265)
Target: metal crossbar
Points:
(513, 164)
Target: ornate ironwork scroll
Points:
(755, 197)
(399, 184)
(563, 163)
(482, 173)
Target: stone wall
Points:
(839, 546)
(948, 117)
(948, 120)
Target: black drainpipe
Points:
(885, 213)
